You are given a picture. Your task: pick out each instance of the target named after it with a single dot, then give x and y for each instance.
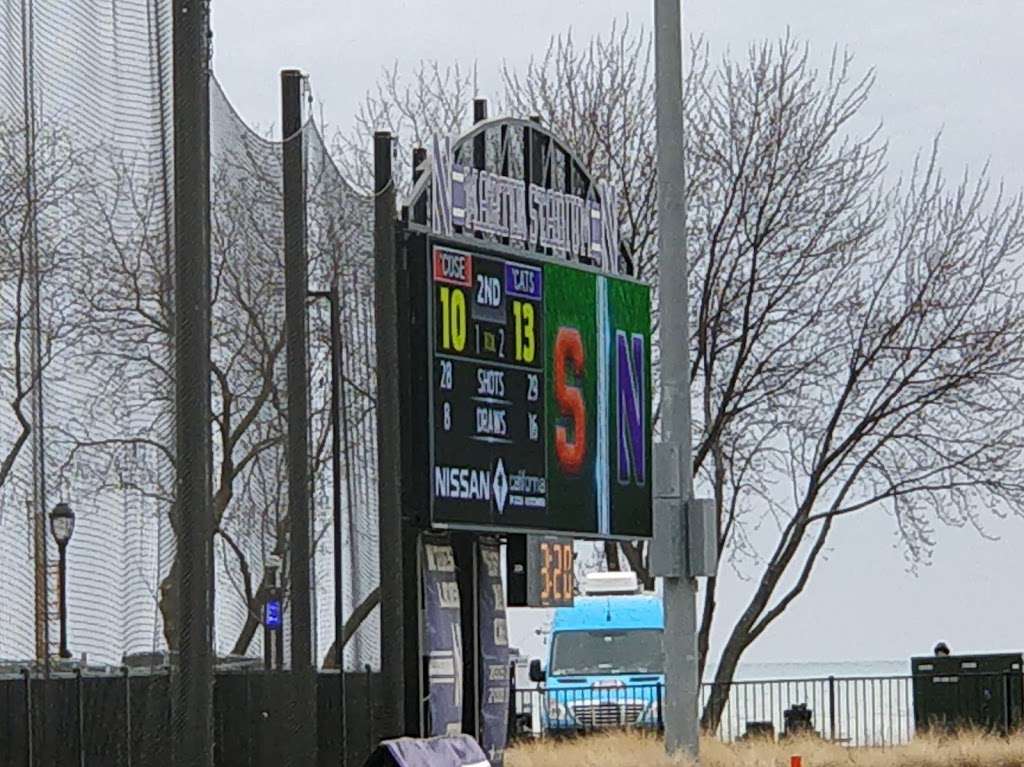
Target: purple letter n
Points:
(632, 437)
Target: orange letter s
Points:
(569, 348)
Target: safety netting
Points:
(87, 354)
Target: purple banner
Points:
(494, 660)
(443, 638)
(456, 751)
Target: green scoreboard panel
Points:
(540, 400)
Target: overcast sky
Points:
(942, 64)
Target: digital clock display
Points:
(552, 561)
(541, 571)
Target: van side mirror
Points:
(536, 672)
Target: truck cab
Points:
(605, 661)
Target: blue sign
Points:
(443, 637)
(272, 614)
(494, 661)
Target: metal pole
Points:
(336, 477)
(80, 716)
(465, 546)
(268, 635)
(127, 716)
(832, 708)
(62, 568)
(38, 509)
(389, 435)
(192, 682)
(680, 590)
(295, 276)
(399, 618)
(339, 583)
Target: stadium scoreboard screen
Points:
(539, 403)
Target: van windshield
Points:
(632, 651)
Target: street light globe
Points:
(62, 523)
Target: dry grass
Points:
(640, 751)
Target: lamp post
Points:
(62, 525)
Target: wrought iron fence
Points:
(859, 711)
(854, 711)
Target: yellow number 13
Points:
(525, 346)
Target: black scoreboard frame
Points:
(416, 248)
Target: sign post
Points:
(675, 460)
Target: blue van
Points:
(605, 664)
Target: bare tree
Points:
(128, 306)
(338, 240)
(29, 252)
(599, 97)
(780, 203)
(16, 374)
(436, 99)
(855, 344)
(130, 309)
(913, 401)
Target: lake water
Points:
(818, 670)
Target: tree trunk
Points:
(634, 554)
(711, 585)
(611, 556)
(355, 620)
(704, 635)
(722, 685)
(168, 607)
(252, 621)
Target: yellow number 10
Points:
(453, 319)
(525, 346)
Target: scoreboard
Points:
(539, 398)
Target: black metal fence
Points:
(123, 719)
(854, 711)
(859, 711)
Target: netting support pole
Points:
(192, 680)
(337, 409)
(336, 478)
(304, 748)
(398, 542)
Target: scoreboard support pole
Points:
(466, 553)
(398, 541)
